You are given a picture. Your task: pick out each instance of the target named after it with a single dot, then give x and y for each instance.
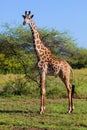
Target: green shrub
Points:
(20, 87)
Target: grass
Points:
(22, 113)
(81, 83)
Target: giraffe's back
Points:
(59, 67)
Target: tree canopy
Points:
(17, 53)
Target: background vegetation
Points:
(17, 52)
(18, 62)
(19, 82)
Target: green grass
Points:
(22, 113)
(81, 83)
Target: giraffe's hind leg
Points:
(66, 81)
(69, 90)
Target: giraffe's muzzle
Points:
(24, 23)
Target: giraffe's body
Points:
(48, 64)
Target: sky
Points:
(62, 15)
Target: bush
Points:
(21, 87)
(16, 87)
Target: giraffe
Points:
(49, 64)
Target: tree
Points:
(17, 53)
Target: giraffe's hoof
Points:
(41, 112)
(70, 111)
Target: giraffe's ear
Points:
(25, 12)
(23, 16)
(32, 16)
(29, 12)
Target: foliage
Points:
(19, 85)
(17, 52)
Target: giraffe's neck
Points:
(39, 47)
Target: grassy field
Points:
(22, 112)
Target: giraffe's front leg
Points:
(43, 92)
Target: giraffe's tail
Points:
(73, 89)
(73, 84)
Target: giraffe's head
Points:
(27, 17)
